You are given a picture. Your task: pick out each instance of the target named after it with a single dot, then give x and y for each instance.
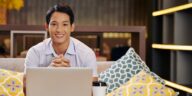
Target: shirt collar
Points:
(50, 50)
(71, 48)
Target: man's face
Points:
(60, 28)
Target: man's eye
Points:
(53, 24)
(65, 24)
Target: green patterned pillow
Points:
(123, 69)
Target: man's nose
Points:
(59, 28)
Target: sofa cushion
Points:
(103, 65)
(11, 83)
(143, 84)
(123, 69)
(13, 64)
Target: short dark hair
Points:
(60, 7)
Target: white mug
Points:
(99, 88)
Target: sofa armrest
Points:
(103, 65)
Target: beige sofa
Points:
(17, 64)
(14, 64)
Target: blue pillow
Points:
(123, 69)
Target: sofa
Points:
(17, 64)
(14, 64)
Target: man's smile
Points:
(59, 35)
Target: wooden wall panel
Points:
(87, 12)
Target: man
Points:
(61, 50)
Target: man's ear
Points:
(73, 27)
(46, 26)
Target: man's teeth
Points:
(59, 35)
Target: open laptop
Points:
(45, 81)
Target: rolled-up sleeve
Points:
(90, 62)
(32, 58)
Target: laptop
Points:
(50, 81)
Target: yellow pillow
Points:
(143, 84)
(11, 83)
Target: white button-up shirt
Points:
(79, 55)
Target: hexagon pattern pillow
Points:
(123, 69)
(11, 83)
(143, 84)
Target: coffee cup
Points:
(99, 88)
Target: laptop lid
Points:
(46, 81)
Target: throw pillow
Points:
(123, 69)
(11, 83)
(143, 84)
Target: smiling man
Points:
(61, 50)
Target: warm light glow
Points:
(12, 4)
(172, 47)
(173, 9)
(177, 86)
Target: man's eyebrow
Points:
(53, 21)
(65, 21)
(62, 22)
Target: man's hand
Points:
(60, 61)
